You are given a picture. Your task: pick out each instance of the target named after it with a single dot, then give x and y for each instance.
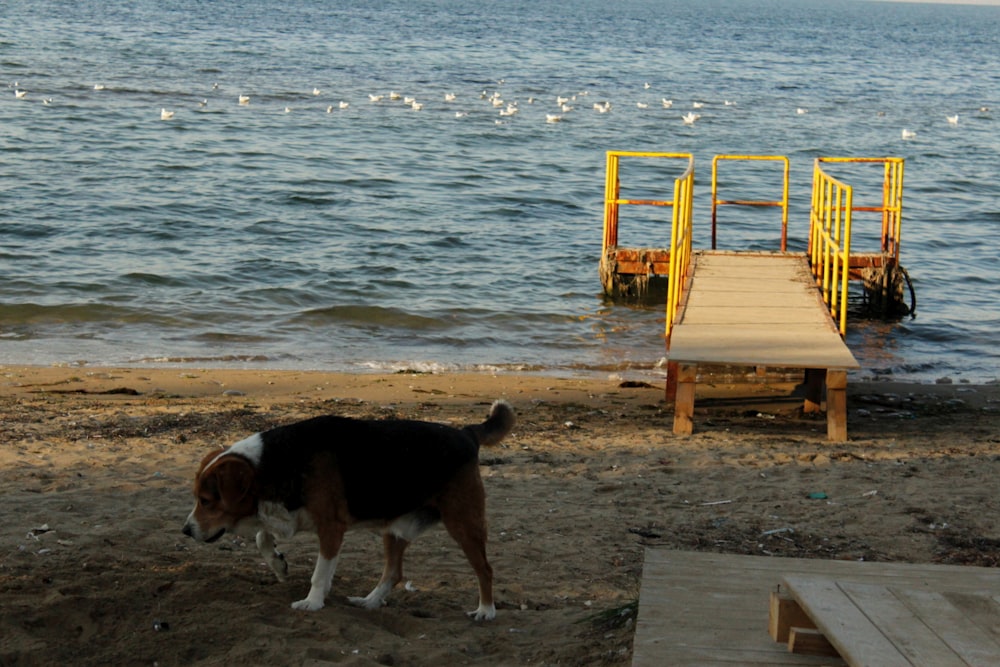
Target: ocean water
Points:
(292, 233)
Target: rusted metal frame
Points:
(782, 203)
(645, 202)
(612, 193)
(892, 201)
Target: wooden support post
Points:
(836, 405)
(684, 402)
(814, 379)
(671, 393)
(784, 613)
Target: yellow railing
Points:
(830, 240)
(783, 202)
(891, 208)
(612, 193)
(680, 242)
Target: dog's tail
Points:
(496, 427)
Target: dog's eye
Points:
(206, 500)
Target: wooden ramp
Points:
(713, 609)
(759, 309)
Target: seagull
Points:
(98, 86)
(316, 91)
(729, 103)
(375, 98)
(566, 108)
(47, 100)
(908, 134)
(203, 103)
(953, 119)
(215, 86)
(416, 106)
(509, 111)
(552, 118)
(393, 95)
(329, 109)
(288, 109)
(20, 94)
(690, 117)
(166, 115)
(801, 111)
(602, 107)
(461, 114)
(667, 103)
(642, 105)
(406, 100)
(697, 105)
(449, 97)
(344, 105)
(244, 99)
(561, 100)
(647, 85)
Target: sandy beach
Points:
(96, 468)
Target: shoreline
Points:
(96, 481)
(408, 386)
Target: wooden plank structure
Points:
(901, 624)
(721, 609)
(759, 309)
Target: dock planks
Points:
(757, 309)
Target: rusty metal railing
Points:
(891, 207)
(782, 203)
(612, 192)
(830, 241)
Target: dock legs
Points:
(682, 379)
(684, 401)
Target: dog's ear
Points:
(208, 458)
(231, 482)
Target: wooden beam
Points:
(810, 641)
(836, 405)
(671, 392)
(784, 613)
(684, 402)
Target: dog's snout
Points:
(187, 530)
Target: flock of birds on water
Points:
(504, 109)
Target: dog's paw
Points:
(307, 605)
(484, 613)
(279, 566)
(368, 602)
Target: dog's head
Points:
(225, 493)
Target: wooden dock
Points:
(714, 609)
(762, 310)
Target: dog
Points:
(331, 474)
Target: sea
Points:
(418, 184)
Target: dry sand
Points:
(96, 468)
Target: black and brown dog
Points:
(331, 474)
